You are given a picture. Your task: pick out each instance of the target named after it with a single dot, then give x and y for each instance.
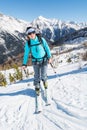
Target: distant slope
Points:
(81, 33)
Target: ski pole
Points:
(53, 68)
(54, 71)
(56, 74)
(26, 74)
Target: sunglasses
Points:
(31, 33)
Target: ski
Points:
(38, 108)
(36, 104)
(38, 99)
(46, 98)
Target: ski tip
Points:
(37, 112)
(48, 104)
(28, 84)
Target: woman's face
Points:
(32, 35)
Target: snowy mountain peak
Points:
(41, 18)
(10, 24)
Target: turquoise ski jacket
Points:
(37, 50)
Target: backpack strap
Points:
(40, 42)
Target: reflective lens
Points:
(31, 33)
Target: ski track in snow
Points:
(68, 109)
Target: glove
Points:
(49, 60)
(24, 67)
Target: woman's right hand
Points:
(24, 67)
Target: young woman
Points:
(41, 56)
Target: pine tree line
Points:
(18, 75)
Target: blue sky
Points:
(65, 10)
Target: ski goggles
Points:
(30, 31)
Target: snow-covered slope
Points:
(68, 96)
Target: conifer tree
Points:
(11, 78)
(18, 73)
(3, 81)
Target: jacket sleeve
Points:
(47, 49)
(26, 53)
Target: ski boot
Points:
(45, 83)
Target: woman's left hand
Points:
(49, 60)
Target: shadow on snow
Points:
(28, 92)
(83, 70)
(68, 73)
